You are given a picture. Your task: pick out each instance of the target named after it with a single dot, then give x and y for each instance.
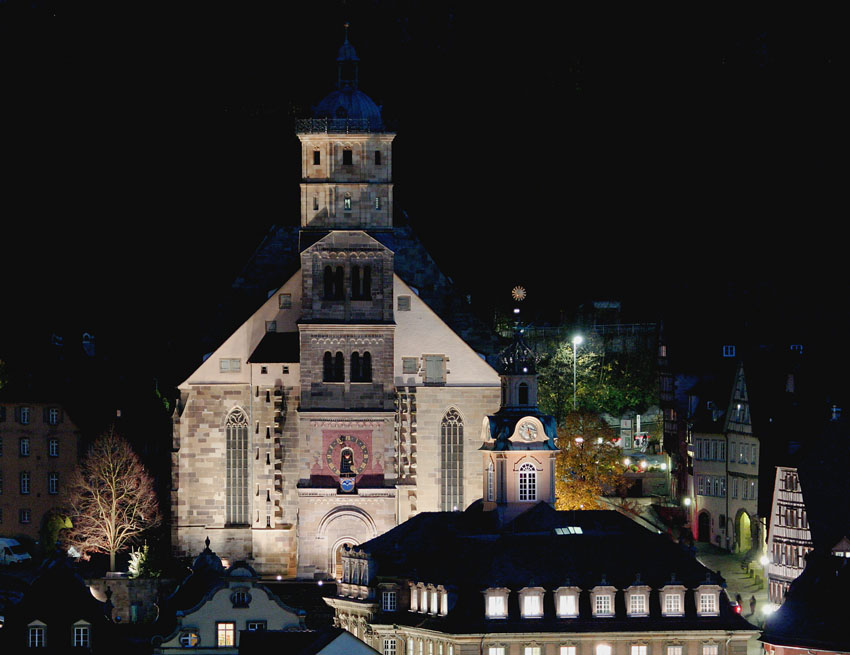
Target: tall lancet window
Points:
(236, 429)
(451, 461)
(491, 481)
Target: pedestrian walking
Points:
(752, 605)
(739, 600)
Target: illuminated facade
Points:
(344, 404)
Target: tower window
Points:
(347, 157)
(315, 203)
(377, 158)
(377, 202)
(333, 368)
(333, 278)
(361, 367)
(527, 482)
(317, 158)
(451, 461)
(361, 283)
(523, 393)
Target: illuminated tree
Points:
(588, 465)
(111, 499)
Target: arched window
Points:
(491, 481)
(329, 283)
(361, 283)
(339, 274)
(527, 482)
(361, 367)
(333, 367)
(236, 441)
(451, 461)
(523, 393)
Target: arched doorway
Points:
(704, 526)
(339, 549)
(743, 532)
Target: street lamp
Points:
(576, 341)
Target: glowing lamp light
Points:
(663, 466)
(643, 464)
(320, 582)
(738, 608)
(687, 502)
(627, 462)
(768, 609)
(516, 310)
(765, 560)
(578, 340)
(280, 577)
(579, 439)
(525, 369)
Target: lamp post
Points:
(576, 341)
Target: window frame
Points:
(219, 625)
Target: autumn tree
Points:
(111, 499)
(589, 464)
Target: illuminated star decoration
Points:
(518, 293)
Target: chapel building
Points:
(344, 404)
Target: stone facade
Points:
(342, 382)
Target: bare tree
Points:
(112, 499)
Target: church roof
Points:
(277, 348)
(541, 547)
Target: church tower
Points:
(519, 440)
(346, 156)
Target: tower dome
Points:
(348, 102)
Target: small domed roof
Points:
(350, 103)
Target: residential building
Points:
(344, 404)
(39, 447)
(789, 539)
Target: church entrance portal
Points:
(704, 527)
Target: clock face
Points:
(528, 431)
(347, 455)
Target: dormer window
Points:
(566, 602)
(423, 599)
(531, 602)
(414, 599)
(603, 605)
(497, 603)
(673, 600)
(708, 600)
(37, 635)
(82, 635)
(388, 601)
(240, 599)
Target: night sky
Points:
(683, 163)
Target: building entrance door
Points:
(744, 532)
(704, 527)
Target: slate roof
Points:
(277, 348)
(477, 553)
(814, 614)
(291, 643)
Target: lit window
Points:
(567, 605)
(82, 636)
(435, 604)
(189, 639)
(53, 447)
(638, 649)
(53, 483)
(24, 446)
(256, 626)
(532, 650)
(388, 601)
(672, 603)
(37, 634)
(224, 634)
(708, 603)
(496, 650)
(377, 202)
(567, 650)
(532, 607)
(53, 416)
(637, 604)
(496, 607)
(710, 649)
(675, 650)
(602, 606)
(603, 649)
(24, 415)
(527, 482)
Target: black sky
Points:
(672, 160)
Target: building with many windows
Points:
(344, 404)
(511, 575)
(789, 538)
(38, 452)
(725, 456)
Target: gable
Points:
(738, 419)
(420, 333)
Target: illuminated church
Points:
(344, 404)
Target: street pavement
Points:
(737, 582)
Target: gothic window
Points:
(236, 429)
(527, 482)
(361, 283)
(361, 367)
(333, 367)
(491, 482)
(523, 393)
(451, 461)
